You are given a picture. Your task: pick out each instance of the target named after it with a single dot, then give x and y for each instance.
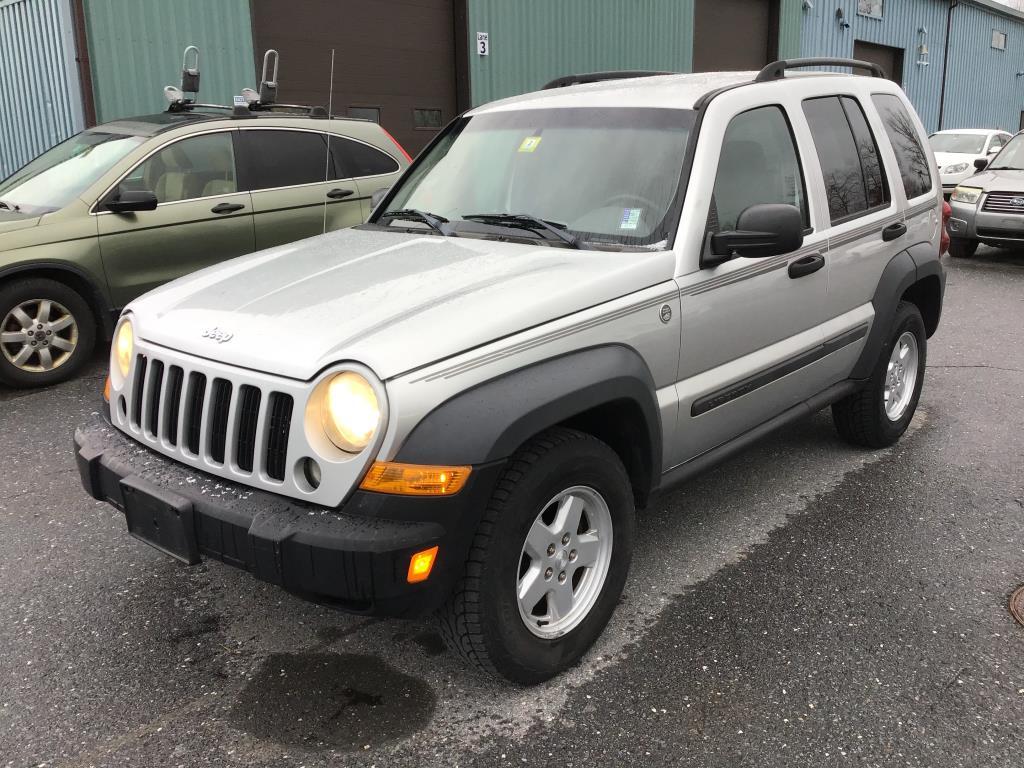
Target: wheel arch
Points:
(606, 391)
(913, 275)
(77, 279)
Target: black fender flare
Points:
(491, 420)
(904, 270)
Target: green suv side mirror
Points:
(132, 200)
(768, 229)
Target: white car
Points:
(956, 150)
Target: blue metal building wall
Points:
(42, 99)
(982, 89)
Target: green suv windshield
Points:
(57, 177)
(604, 176)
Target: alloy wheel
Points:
(38, 335)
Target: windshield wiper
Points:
(1002, 168)
(439, 223)
(526, 221)
(9, 206)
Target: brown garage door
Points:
(394, 59)
(731, 35)
(890, 59)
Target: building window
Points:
(365, 113)
(428, 119)
(870, 8)
(998, 40)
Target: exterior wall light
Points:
(841, 19)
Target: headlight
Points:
(956, 168)
(969, 195)
(349, 411)
(124, 345)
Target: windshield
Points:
(58, 176)
(607, 175)
(963, 143)
(1012, 155)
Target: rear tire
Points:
(878, 414)
(961, 248)
(47, 332)
(527, 546)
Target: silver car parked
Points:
(989, 207)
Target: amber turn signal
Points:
(106, 390)
(414, 479)
(421, 564)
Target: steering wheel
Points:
(627, 197)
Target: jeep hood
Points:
(391, 300)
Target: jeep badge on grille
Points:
(217, 335)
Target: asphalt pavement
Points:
(804, 604)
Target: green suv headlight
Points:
(969, 195)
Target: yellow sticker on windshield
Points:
(530, 143)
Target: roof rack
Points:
(777, 69)
(600, 77)
(250, 100)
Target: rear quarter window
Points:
(359, 159)
(915, 167)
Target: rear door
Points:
(202, 216)
(299, 184)
(865, 218)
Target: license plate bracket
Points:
(161, 519)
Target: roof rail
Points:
(599, 77)
(777, 69)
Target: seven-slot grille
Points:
(212, 418)
(1004, 202)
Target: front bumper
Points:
(971, 223)
(355, 557)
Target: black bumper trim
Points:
(355, 557)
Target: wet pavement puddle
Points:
(345, 701)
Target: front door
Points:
(299, 185)
(750, 327)
(201, 217)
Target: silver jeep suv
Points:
(573, 299)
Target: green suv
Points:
(126, 206)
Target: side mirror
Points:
(768, 229)
(981, 163)
(377, 196)
(132, 200)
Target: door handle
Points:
(806, 265)
(337, 194)
(899, 229)
(227, 208)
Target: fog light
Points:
(311, 473)
(421, 564)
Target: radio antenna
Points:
(330, 114)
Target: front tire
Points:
(878, 414)
(960, 248)
(47, 332)
(548, 561)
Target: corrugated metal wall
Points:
(38, 82)
(534, 41)
(135, 48)
(982, 89)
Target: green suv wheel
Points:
(47, 332)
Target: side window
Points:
(759, 164)
(997, 142)
(915, 165)
(287, 158)
(355, 159)
(202, 166)
(850, 164)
